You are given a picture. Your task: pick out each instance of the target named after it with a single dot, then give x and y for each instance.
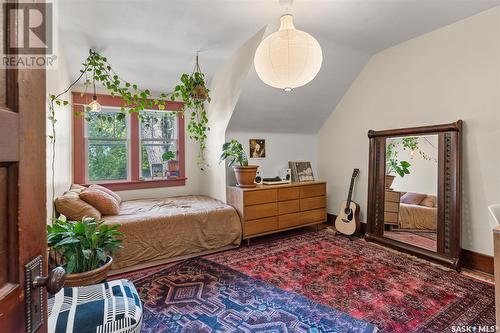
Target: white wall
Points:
(225, 89)
(57, 81)
(280, 148)
(423, 175)
(448, 74)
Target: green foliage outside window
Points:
(158, 138)
(107, 146)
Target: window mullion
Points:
(135, 148)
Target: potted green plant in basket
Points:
(235, 156)
(172, 163)
(83, 248)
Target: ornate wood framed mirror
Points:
(414, 191)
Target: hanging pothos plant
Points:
(191, 91)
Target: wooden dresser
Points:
(267, 209)
(391, 207)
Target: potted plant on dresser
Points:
(394, 165)
(235, 156)
(83, 248)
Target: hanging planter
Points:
(193, 92)
(200, 92)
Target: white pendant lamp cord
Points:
(286, 5)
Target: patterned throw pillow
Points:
(71, 206)
(108, 191)
(104, 202)
(411, 198)
(429, 201)
(76, 188)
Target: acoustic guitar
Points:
(347, 222)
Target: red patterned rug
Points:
(422, 240)
(393, 291)
(201, 296)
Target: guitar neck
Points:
(349, 197)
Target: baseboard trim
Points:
(330, 218)
(468, 259)
(477, 261)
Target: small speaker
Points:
(258, 178)
(286, 174)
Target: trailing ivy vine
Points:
(191, 91)
(194, 93)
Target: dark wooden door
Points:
(22, 190)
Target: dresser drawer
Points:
(288, 193)
(312, 190)
(311, 216)
(260, 211)
(312, 203)
(260, 226)
(392, 218)
(286, 207)
(259, 197)
(289, 220)
(392, 196)
(391, 207)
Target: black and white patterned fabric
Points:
(109, 307)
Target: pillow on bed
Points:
(104, 202)
(429, 201)
(76, 188)
(108, 191)
(71, 206)
(411, 198)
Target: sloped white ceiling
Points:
(151, 42)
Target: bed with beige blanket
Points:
(417, 217)
(418, 211)
(160, 229)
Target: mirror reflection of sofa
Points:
(418, 211)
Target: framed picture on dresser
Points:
(301, 171)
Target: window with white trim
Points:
(159, 145)
(107, 145)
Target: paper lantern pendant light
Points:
(288, 58)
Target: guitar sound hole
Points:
(348, 215)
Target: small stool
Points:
(109, 307)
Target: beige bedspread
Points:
(417, 217)
(157, 229)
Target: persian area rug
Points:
(418, 239)
(393, 291)
(202, 296)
